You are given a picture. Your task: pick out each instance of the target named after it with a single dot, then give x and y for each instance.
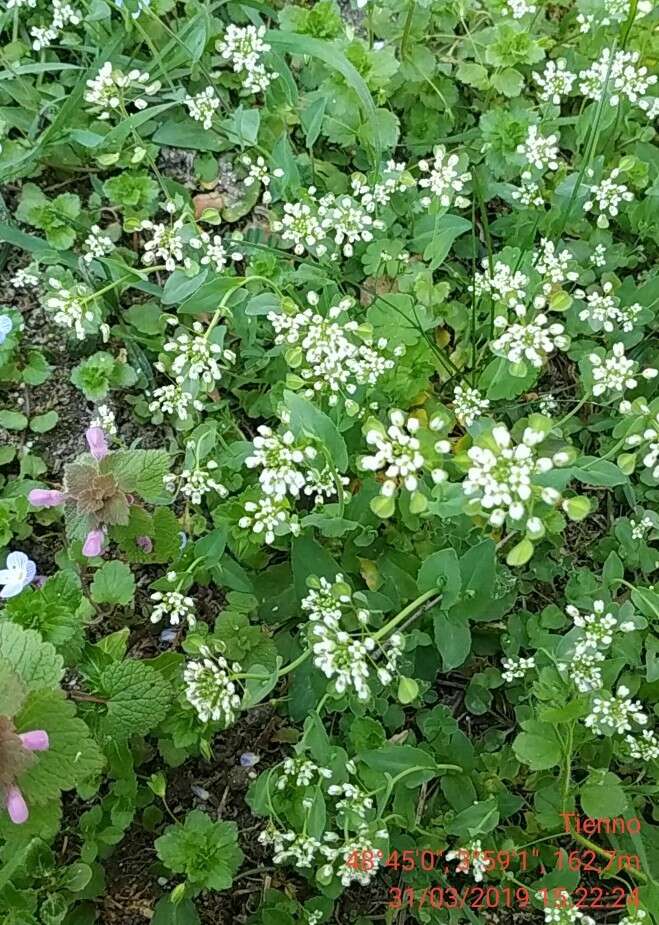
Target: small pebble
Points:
(249, 759)
(200, 793)
(168, 635)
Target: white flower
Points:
(175, 606)
(165, 244)
(640, 528)
(269, 517)
(468, 404)
(607, 196)
(196, 357)
(598, 256)
(259, 172)
(503, 284)
(501, 475)
(519, 8)
(648, 439)
(243, 47)
(554, 265)
(25, 278)
(105, 419)
(445, 179)
(63, 14)
(18, 573)
(397, 452)
(290, 846)
(584, 669)
(327, 351)
(211, 689)
(643, 748)
(346, 221)
(96, 244)
(112, 91)
(533, 340)
(613, 713)
(203, 106)
(598, 627)
(174, 399)
(197, 482)
(515, 668)
(619, 73)
(71, 307)
(539, 150)
(300, 772)
(562, 912)
(376, 194)
(529, 193)
(213, 253)
(474, 856)
(280, 460)
(616, 372)
(555, 82)
(301, 225)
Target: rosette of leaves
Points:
(31, 698)
(100, 493)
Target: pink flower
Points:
(16, 806)
(98, 446)
(35, 741)
(93, 543)
(44, 497)
(145, 543)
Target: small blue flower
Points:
(249, 759)
(17, 574)
(6, 324)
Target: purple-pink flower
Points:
(34, 741)
(98, 445)
(46, 497)
(145, 543)
(93, 545)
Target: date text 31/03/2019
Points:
(477, 897)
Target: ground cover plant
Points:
(329, 462)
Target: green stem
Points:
(406, 28)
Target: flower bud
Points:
(43, 497)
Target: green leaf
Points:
(508, 81)
(602, 796)
(396, 758)
(206, 852)
(13, 420)
(538, 747)
(35, 662)
(598, 472)
(113, 584)
(42, 423)
(72, 757)
(647, 602)
(306, 418)
(138, 698)
(520, 554)
(452, 638)
(441, 570)
(139, 472)
(169, 913)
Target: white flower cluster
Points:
(391, 180)
(195, 483)
(301, 772)
(96, 244)
(606, 196)
(174, 399)
(203, 106)
(196, 357)
(649, 441)
(173, 605)
(71, 308)
(354, 799)
(468, 404)
(516, 668)
(398, 453)
(166, 243)
(280, 460)
(113, 91)
(555, 82)
(471, 856)
(445, 181)
(538, 150)
(644, 747)
(210, 687)
(213, 252)
(269, 517)
(585, 671)
(617, 74)
(616, 372)
(25, 278)
(519, 8)
(329, 353)
(105, 419)
(533, 340)
(259, 172)
(244, 47)
(641, 527)
(346, 221)
(529, 193)
(503, 284)
(564, 913)
(613, 713)
(604, 312)
(301, 225)
(348, 660)
(598, 628)
(500, 477)
(63, 15)
(554, 265)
